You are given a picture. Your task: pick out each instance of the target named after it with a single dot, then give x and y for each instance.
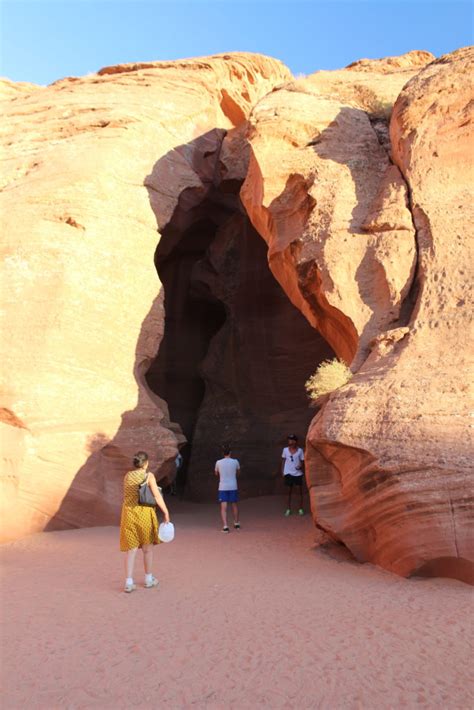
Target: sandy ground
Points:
(258, 618)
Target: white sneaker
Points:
(154, 583)
(129, 588)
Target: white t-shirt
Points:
(227, 469)
(292, 462)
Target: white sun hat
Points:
(166, 532)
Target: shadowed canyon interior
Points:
(235, 354)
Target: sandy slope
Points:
(254, 619)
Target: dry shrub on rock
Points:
(330, 375)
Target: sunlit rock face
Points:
(186, 241)
(322, 190)
(83, 308)
(368, 234)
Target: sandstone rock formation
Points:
(364, 214)
(12, 89)
(323, 192)
(372, 245)
(83, 311)
(235, 353)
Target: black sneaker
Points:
(225, 530)
(237, 526)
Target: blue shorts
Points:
(228, 496)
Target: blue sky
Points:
(43, 41)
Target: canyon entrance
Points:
(235, 353)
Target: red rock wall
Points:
(379, 242)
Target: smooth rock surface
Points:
(83, 309)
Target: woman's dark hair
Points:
(140, 459)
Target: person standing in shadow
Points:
(178, 463)
(292, 468)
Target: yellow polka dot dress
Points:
(138, 524)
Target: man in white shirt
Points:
(227, 470)
(292, 468)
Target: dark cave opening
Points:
(192, 317)
(235, 352)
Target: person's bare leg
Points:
(224, 514)
(301, 496)
(235, 512)
(130, 562)
(150, 580)
(148, 558)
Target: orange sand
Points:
(255, 619)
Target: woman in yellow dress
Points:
(139, 524)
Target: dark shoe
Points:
(237, 526)
(225, 530)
